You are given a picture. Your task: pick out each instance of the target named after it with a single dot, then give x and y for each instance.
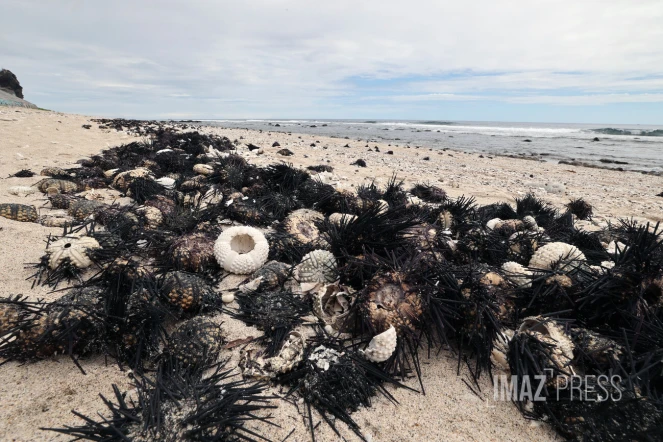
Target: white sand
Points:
(42, 394)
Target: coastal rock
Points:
(9, 83)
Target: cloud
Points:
(283, 58)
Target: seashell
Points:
(382, 346)
(332, 304)
(203, 169)
(556, 254)
(341, 218)
(62, 186)
(19, 212)
(392, 301)
(122, 180)
(193, 252)
(21, 190)
(166, 182)
(517, 274)
(317, 267)
(446, 220)
(73, 247)
(302, 225)
(241, 249)
(498, 356)
(83, 209)
(111, 173)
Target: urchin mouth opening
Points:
(66, 246)
(242, 244)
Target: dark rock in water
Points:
(426, 158)
(312, 145)
(285, 152)
(9, 83)
(527, 141)
(390, 152)
(324, 125)
(277, 125)
(480, 156)
(87, 126)
(313, 125)
(606, 161)
(359, 162)
(347, 145)
(253, 147)
(596, 139)
(276, 144)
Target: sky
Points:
(482, 60)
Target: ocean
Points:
(630, 147)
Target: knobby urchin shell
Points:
(517, 274)
(73, 247)
(62, 186)
(556, 254)
(301, 224)
(123, 180)
(317, 267)
(195, 343)
(186, 291)
(392, 301)
(56, 219)
(193, 252)
(82, 209)
(21, 190)
(53, 171)
(382, 346)
(241, 249)
(19, 212)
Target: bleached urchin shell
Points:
(517, 274)
(545, 257)
(21, 190)
(241, 249)
(493, 223)
(382, 346)
(551, 332)
(74, 247)
(317, 267)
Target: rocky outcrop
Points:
(9, 83)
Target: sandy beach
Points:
(43, 393)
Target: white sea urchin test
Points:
(241, 249)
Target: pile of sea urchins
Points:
(347, 288)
